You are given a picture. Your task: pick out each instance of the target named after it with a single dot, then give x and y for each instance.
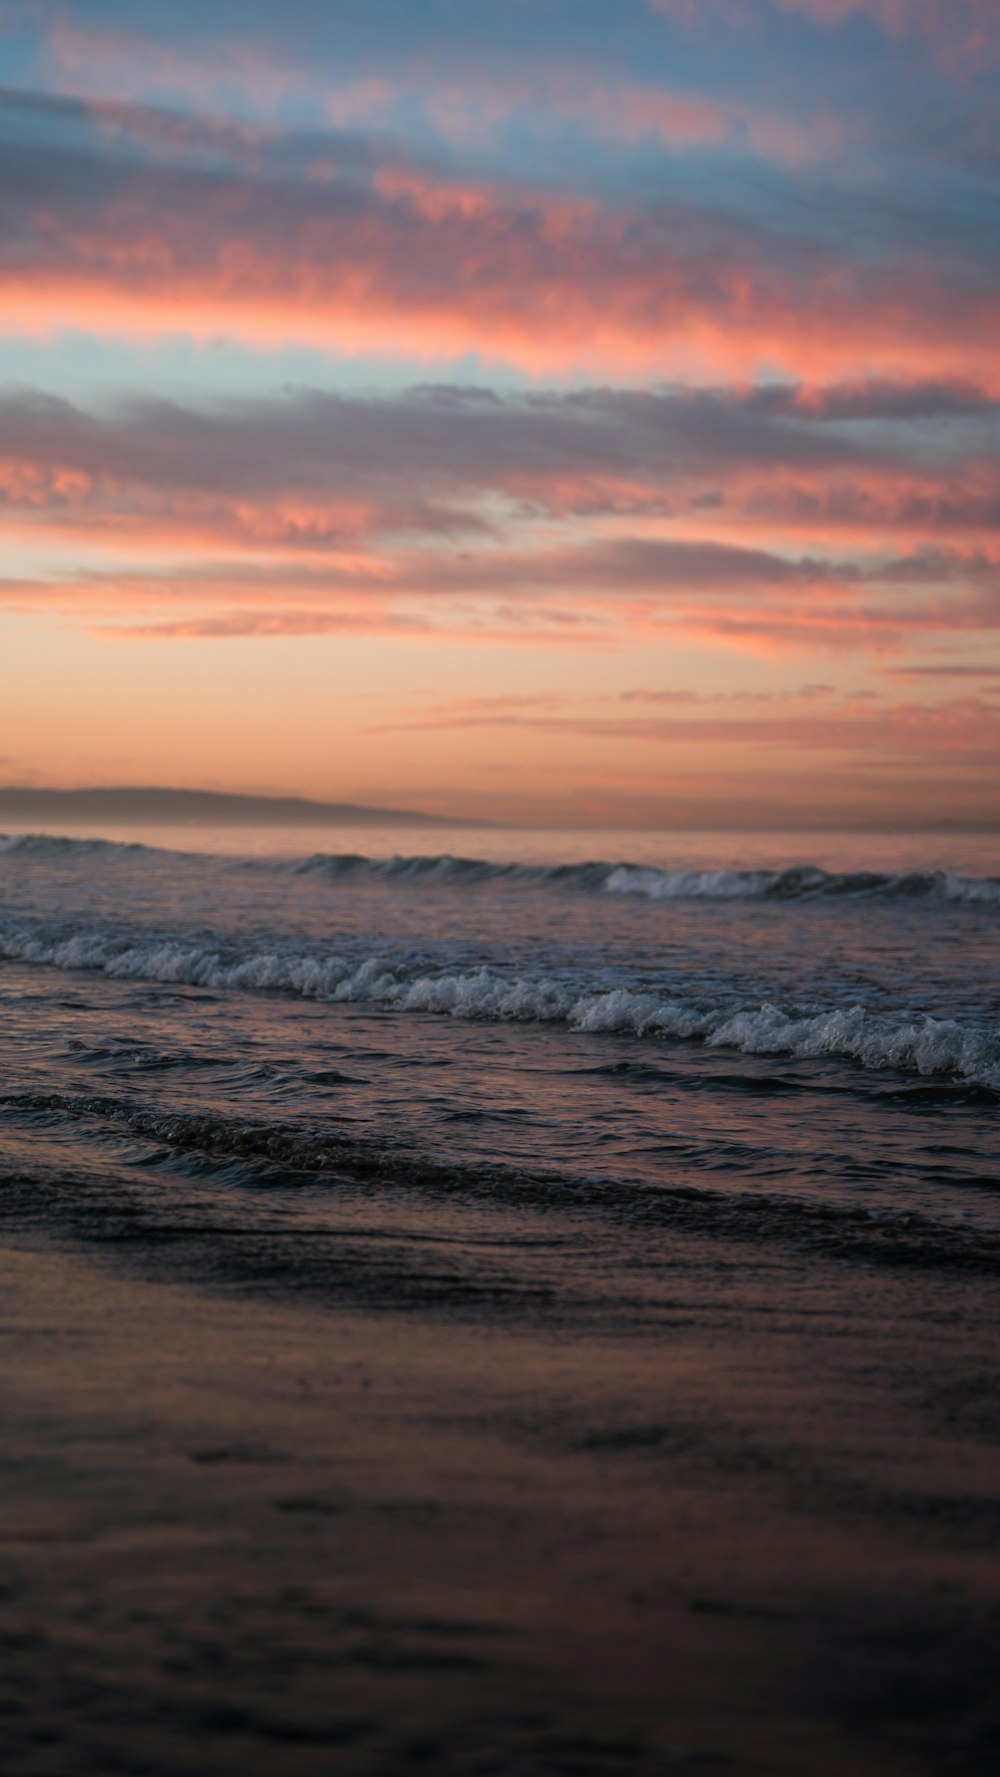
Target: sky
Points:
(570, 412)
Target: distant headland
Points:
(209, 807)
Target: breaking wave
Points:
(919, 1044)
(793, 883)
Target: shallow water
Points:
(818, 1022)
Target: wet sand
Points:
(664, 1502)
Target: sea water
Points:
(811, 1018)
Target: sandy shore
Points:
(750, 1527)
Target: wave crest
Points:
(795, 882)
(922, 1045)
(648, 882)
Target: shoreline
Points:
(515, 1495)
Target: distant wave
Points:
(794, 882)
(922, 1045)
(57, 845)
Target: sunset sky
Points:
(571, 411)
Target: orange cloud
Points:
(545, 329)
(609, 593)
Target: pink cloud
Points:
(962, 35)
(971, 24)
(316, 475)
(423, 267)
(608, 594)
(276, 240)
(94, 64)
(960, 727)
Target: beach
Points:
(539, 1497)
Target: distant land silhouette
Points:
(208, 806)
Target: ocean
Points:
(525, 1304)
(808, 1021)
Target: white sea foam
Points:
(922, 1045)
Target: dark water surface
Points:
(712, 1014)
